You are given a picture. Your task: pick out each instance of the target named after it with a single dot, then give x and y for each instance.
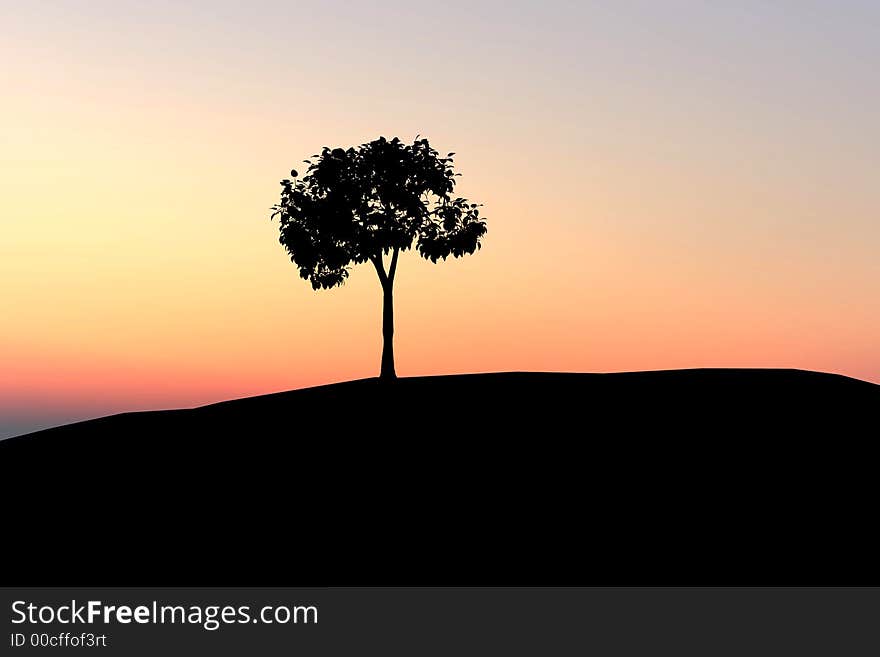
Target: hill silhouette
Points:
(687, 476)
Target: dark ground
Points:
(677, 477)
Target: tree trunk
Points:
(387, 372)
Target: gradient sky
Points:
(668, 184)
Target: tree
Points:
(370, 202)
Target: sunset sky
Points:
(667, 184)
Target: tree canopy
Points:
(384, 196)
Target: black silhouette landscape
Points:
(684, 476)
(458, 407)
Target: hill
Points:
(487, 478)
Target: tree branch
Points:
(393, 267)
(380, 269)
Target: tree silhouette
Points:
(369, 202)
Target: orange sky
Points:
(680, 188)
